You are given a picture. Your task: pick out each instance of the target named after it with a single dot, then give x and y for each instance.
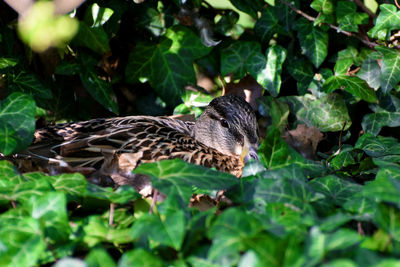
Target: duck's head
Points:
(229, 125)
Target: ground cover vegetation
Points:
(326, 190)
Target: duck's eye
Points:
(224, 123)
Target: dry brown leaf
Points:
(247, 88)
(304, 139)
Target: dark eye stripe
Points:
(238, 137)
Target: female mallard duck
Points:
(223, 137)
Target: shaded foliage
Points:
(331, 65)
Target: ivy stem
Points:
(360, 229)
(111, 217)
(310, 18)
(366, 9)
(153, 201)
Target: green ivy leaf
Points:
(390, 76)
(324, 6)
(302, 71)
(332, 222)
(21, 242)
(28, 83)
(193, 103)
(373, 122)
(289, 191)
(94, 38)
(370, 72)
(169, 68)
(73, 184)
(99, 89)
(99, 257)
(67, 68)
(361, 205)
(378, 147)
(97, 231)
(285, 14)
(320, 245)
(328, 113)
(289, 217)
(337, 191)
(227, 25)
(176, 174)
(25, 190)
(139, 257)
(235, 231)
(50, 210)
(240, 55)
(139, 62)
(124, 194)
(352, 84)
(6, 62)
(388, 218)
(343, 159)
(388, 19)
(345, 59)
(385, 187)
(249, 6)
(168, 229)
(100, 15)
(347, 17)
(313, 41)
(8, 174)
(267, 25)
(275, 153)
(269, 75)
(17, 122)
(277, 110)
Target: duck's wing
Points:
(121, 144)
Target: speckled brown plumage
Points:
(116, 146)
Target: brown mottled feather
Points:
(139, 138)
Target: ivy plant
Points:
(328, 66)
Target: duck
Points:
(224, 137)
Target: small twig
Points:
(366, 9)
(153, 201)
(13, 204)
(340, 136)
(359, 229)
(223, 84)
(310, 18)
(111, 217)
(397, 4)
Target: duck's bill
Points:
(249, 153)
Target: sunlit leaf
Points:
(370, 72)
(168, 229)
(179, 175)
(388, 19)
(17, 122)
(390, 69)
(345, 59)
(328, 113)
(21, 242)
(352, 84)
(268, 75)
